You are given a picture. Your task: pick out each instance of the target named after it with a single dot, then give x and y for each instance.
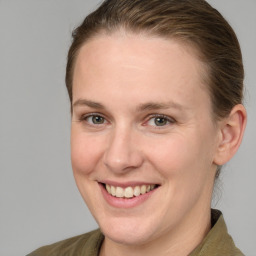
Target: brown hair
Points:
(193, 22)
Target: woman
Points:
(156, 91)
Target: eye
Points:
(160, 120)
(94, 119)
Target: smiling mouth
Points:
(129, 192)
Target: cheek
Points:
(85, 153)
(184, 158)
(171, 154)
(185, 166)
(85, 157)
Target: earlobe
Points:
(231, 134)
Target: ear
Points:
(231, 134)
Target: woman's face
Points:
(142, 121)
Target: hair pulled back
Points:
(193, 22)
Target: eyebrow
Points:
(91, 104)
(142, 107)
(156, 106)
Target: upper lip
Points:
(127, 183)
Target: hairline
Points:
(188, 45)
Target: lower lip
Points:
(125, 202)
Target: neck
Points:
(180, 242)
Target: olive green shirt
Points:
(217, 243)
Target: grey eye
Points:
(160, 121)
(96, 119)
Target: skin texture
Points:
(126, 80)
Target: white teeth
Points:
(119, 192)
(143, 189)
(129, 192)
(113, 191)
(136, 191)
(108, 188)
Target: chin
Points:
(127, 237)
(128, 232)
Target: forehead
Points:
(150, 66)
(137, 45)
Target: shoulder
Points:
(86, 244)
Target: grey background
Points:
(39, 201)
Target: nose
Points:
(122, 153)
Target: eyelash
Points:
(168, 120)
(85, 118)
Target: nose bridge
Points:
(122, 152)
